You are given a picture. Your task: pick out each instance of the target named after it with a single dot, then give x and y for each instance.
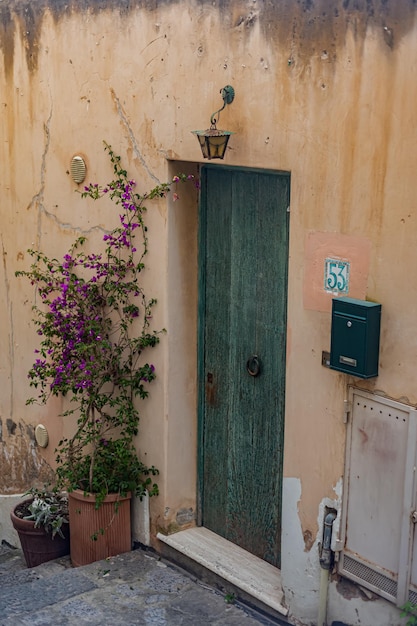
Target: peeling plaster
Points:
(332, 503)
(21, 464)
(300, 562)
(301, 570)
(185, 517)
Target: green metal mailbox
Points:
(355, 337)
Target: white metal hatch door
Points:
(379, 497)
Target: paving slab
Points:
(136, 588)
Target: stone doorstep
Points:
(255, 577)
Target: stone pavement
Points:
(134, 588)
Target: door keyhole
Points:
(210, 390)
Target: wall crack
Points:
(37, 199)
(123, 117)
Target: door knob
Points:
(253, 365)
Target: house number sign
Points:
(336, 276)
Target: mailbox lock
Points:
(349, 324)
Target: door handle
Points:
(253, 365)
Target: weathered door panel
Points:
(379, 496)
(244, 251)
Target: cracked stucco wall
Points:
(324, 89)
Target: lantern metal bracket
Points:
(228, 95)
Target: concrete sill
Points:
(245, 571)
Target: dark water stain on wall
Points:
(319, 25)
(7, 32)
(311, 24)
(11, 426)
(30, 27)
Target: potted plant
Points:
(41, 521)
(94, 323)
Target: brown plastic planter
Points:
(98, 533)
(37, 545)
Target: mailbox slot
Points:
(355, 337)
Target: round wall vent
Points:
(78, 169)
(41, 436)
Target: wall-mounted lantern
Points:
(213, 142)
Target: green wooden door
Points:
(242, 317)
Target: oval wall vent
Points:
(78, 169)
(41, 436)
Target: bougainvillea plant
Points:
(93, 320)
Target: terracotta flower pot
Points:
(37, 545)
(98, 533)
